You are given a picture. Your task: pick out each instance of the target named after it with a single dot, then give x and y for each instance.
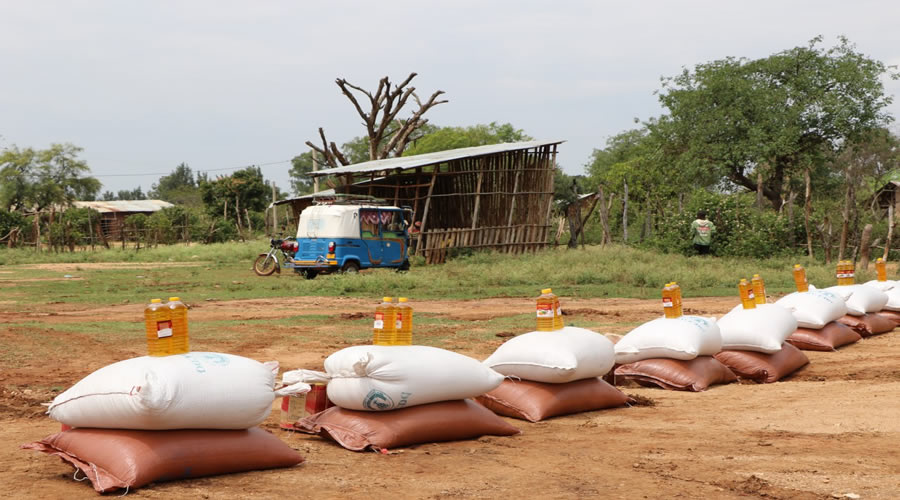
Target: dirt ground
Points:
(830, 431)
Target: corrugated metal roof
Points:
(423, 160)
(125, 205)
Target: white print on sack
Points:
(163, 329)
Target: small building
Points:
(113, 213)
(497, 196)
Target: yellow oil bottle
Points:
(557, 315)
(404, 322)
(669, 301)
(746, 292)
(845, 271)
(179, 342)
(759, 289)
(385, 326)
(546, 304)
(679, 309)
(881, 269)
(800, 278)
(158, 326)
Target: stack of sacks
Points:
(817, 312)
(863, 304)
(162, 418)
(553, 373)
(392, 396)
(673, 353)
(891, 309)
(753, 343)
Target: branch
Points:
(414, 122)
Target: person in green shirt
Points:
(702, 231)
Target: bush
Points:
(742, 230)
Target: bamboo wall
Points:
(500, 201)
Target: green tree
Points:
(179, 187)
(42, 178)
(232, 195)
(446, 138)
(769, 119)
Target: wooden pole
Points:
(625, 213)
(477, 200)
(427, 207)
(315, 158)
(274, 212)
(890, 233)
(807, 213)
(864, 241)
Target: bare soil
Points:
(830, 430)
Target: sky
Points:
(143, 86)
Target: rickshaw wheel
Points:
(310, 274)
(350, 267)
(264, 267)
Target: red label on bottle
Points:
(163, 329)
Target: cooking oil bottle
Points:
(800, 278)
(759, 289)
(679, 310)
(546, 308)
(385, 327)
(669, 301)
(404, 322)
(158, 325)
(881, 269)
(746, 291)
(557, 315)
(845, 270)
(180, 340)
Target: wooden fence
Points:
(507, 239)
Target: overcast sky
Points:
(143, 86)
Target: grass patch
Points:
(225, 274)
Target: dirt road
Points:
(830, 430)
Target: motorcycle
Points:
(268, 263)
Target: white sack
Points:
(198, 390)
(380, 378)
(677, 338)
(554, 357)
(762, 329)
(860, 299)
(815, 308)
(892, 289)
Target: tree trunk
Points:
(807, 213)
(864, 246)
(680, 203)
(625, 213)
(826, 231)
(845, 220)
(759, 191)
(604, 217)
(37, 231)
(890, 233)
(573, 227)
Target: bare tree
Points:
(388, 135)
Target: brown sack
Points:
(829, 338)
(674, 374)
(535, 401)
(762, 367)
(891, 315)
(868, 324)
(115, 458)
(444, 421)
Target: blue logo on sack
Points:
(378, 401)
